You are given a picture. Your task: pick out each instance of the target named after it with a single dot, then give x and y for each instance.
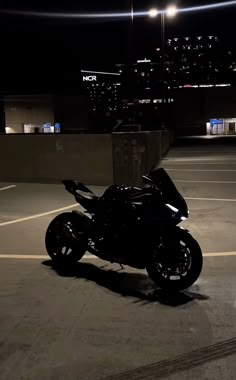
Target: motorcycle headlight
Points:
(172, 208)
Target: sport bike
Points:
(130, 226)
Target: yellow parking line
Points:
(7, 187)
(88, 256)
(35, 257)
(39, 215)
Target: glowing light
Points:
(98, 72)
(172, 207)
(153, 12)
(70, 15)
(114, 15)
(171, 11)
(207, 7)
(144, 60)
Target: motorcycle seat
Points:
(86, 195)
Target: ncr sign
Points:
(89, 78)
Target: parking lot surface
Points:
(101, 322)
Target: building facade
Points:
(44, 114)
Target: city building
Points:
(155, 86)
(179, 91)
(198, 61)
(44, 113)
(104, 97)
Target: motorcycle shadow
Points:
(135, 285)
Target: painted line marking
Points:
(77, 205)
(183, 180)
(7, 187)
(219, 254)
(40, 257)
(210, 199)
(200, 170)
(190, 161)
(39, 215)
(37, 257)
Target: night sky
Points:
(38, 49)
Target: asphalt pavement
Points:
(101, 322)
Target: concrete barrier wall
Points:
(89, 158)
(51, 158)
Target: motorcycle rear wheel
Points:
(176, 267)
(65, 241)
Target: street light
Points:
(153, 13)
(170, 12)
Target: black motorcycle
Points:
(131, 226)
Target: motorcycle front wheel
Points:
(176, 261)
(65, 241)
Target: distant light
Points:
(223, 85)
(171, 11)
(99, 72)
(206, 85)
(158, 49)
(153, 12)
(145, 60)
(114, 15)
(144, 101)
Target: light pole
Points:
(170, 12)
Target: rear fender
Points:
(85, 220)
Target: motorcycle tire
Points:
(158, 269)
(65, 241)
